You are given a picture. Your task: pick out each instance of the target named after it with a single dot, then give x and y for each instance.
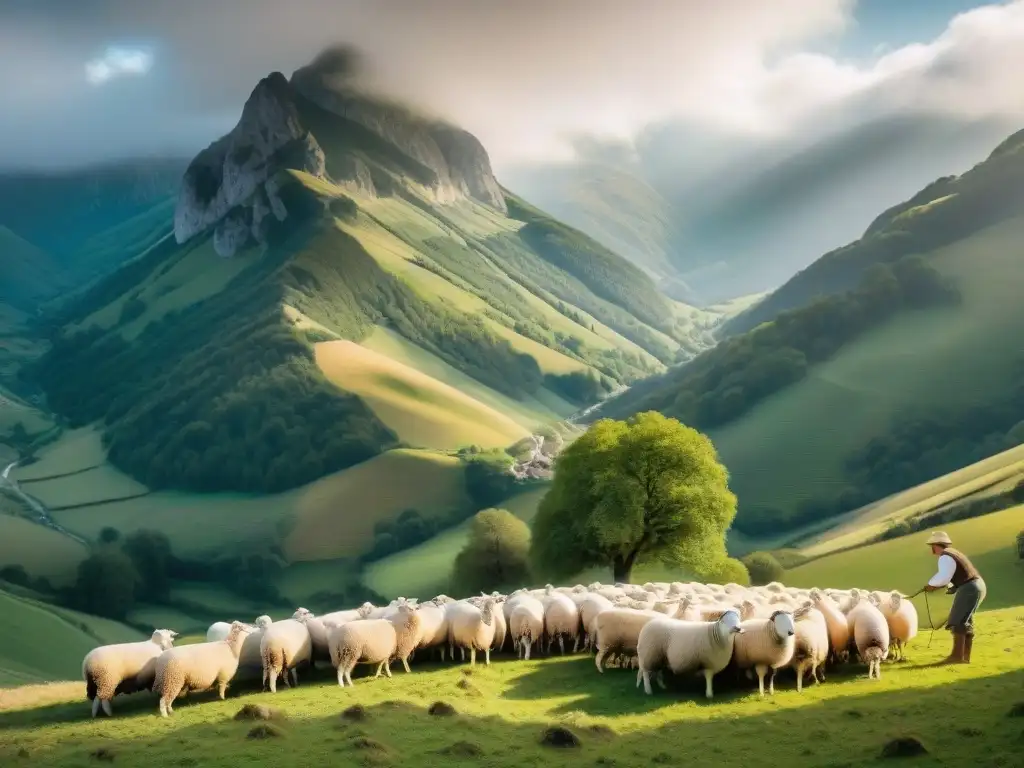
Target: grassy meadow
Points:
(502, 712)
(422, 411)
(39, 550)
(793, 445)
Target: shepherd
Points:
(957, 572)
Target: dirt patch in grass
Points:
(904, 746)
(441, 709)
(559, 736)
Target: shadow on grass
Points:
(850, 730)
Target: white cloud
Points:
(118, 62)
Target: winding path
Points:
(42, 514)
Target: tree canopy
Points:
(649, 488)
(497, 553)
(763, 568)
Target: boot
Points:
(957, 655)
(968, 642)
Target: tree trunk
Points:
(622, 567)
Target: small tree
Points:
(106, 585)
(647, 488)
(763, 568)
(496, 554)
(109, 535)
(728, 570)
(150, 551)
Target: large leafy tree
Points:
(496, 554)
(649, 489)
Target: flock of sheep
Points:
(686, 628)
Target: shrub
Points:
(763, 568)
(728, 571)
(1020, 545)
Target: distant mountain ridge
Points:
(331, 215)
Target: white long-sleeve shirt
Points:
(942, 577)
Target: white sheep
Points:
(526, 624)
(838, 624)
(472, 628)
(198, 667)
(766, 645)
(433, 626)
(218, 631)
(122, 668)
(283, 646)
(617, 631)
(686, 646)
(561, 621)
(591, 605)
(901, 615)
(812, 643)
(375, 641)
(870, 634)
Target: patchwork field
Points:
(794, 444)
(421, 410)
(425, 569)
(39, 550)
(906, 563)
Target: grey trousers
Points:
(965, 602)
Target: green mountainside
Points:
(942, 213)
(882, 365)
(217, 374)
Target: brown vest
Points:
(965, 570)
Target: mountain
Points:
(26, 272)
(345, 278)
(882, 365)
(943, 212)
(746, 215)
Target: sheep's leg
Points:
(163, 707)
(527, 644)
(348, 674)
(222, 688)
(661, 679)
(380, 667)
(405, 663)
(487, 657)
(519, 648)
(462, 651)
(647, 682)
(601, 653)
(472, 656)
(561, 644)
(442, 651)
(272, 676)
(95, 706)
(576, 644)
(341, 676)
(387, 668)
(878, 669)
(107, 710)
(708, 674)
(761, 670)
(295, 677)
(771, 681)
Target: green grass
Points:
(40, 551)
(424, 570)
(40, 643)
(76, 450)
(529, 412)
(503, 710)
(422, 411)
(906, 563)
(987, 477)
(794, 444)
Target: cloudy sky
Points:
(86, 80)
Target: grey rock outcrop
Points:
(231, 187)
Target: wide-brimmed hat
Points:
(939, 537)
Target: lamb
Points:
(375, 641)
(473, 628)
(283, 646)
(617, 631)
(812, 643)
(870, 634)
(686, 646)
(837, 623)
(766, 645)
(526, 624)
(561, 621)
(122, 668)
(198, 667)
